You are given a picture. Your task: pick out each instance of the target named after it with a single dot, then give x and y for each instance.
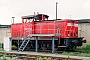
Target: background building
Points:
(84, 29)
(4, 32)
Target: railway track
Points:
(35, 56)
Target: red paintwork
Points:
(67, 28)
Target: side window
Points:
(29, 20)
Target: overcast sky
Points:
(78, 9)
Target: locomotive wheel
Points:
(45, 45)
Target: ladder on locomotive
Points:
(24, 44)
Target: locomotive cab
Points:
(38, 17)
(41, 17)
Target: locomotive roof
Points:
(32, 16)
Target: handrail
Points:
(50, 29)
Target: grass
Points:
(86, 48)
(65, 53)
(1, 49)
(4, 57)
(40, 58)
(84, 51)
(76, 54)
(14, 47)
(68, 53)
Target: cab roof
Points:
(32, 16)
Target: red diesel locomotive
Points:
(65, 31)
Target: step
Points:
(62, 46)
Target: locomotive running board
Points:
(44, 34)
(34, 35)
